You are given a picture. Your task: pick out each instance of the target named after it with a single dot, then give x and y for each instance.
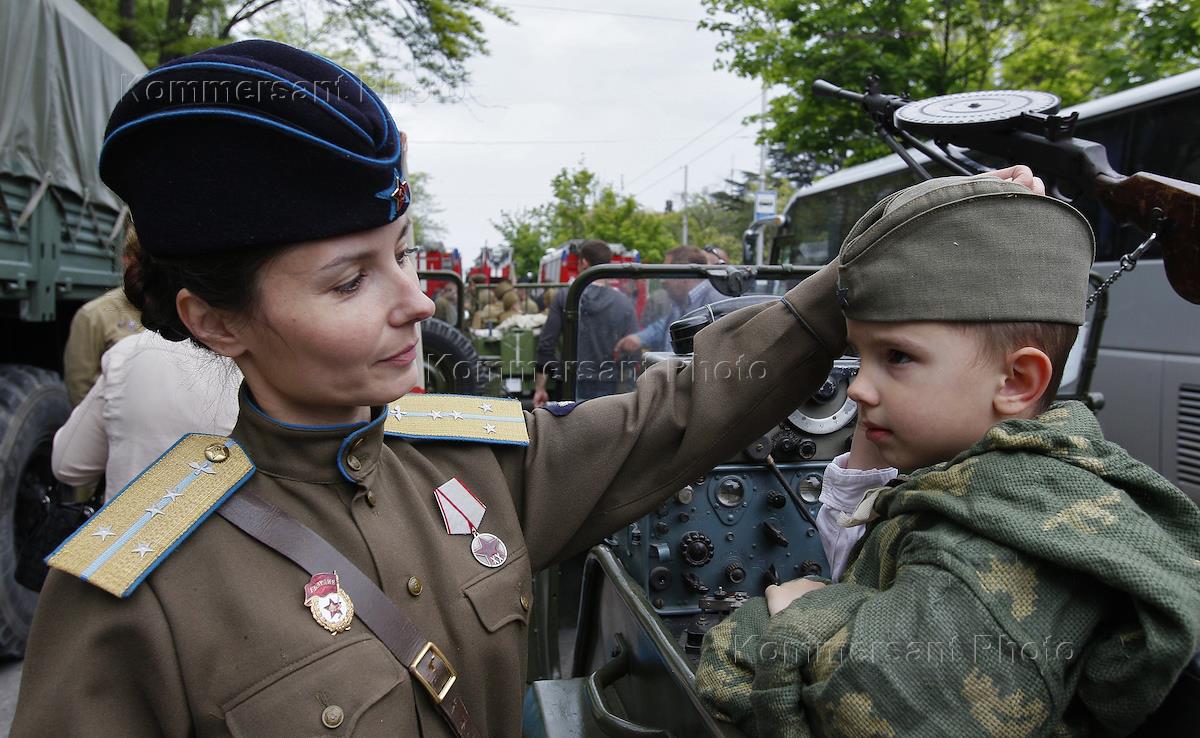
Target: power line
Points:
(689, 161)
(532, 142)
(558, 9)
(703, 133)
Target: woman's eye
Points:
(404, 256)
(350, 286)
(897, 357)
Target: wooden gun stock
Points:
(1170, 206)
(1150, 201)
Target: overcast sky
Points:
(571, 81)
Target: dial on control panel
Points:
(696, 548)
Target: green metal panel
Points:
(68, 249)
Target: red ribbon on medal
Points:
(462, 512)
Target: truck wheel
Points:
(451, 361)
(33, 405)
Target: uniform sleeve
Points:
(613, 459)
(924, 657)
(81, 446)
(98, 665)
(81, 356)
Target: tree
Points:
(582, 208)
(525, 232)
(423, 210)
(1075, 48)
(439, 36)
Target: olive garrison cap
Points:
(967, 249)
(252, 144)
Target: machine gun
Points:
(1023, 127)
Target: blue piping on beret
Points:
(253, 144)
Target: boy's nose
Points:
(862, 392)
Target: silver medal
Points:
(488, 549)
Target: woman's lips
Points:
(403, 358)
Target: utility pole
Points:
(762, 173)
(685, 237)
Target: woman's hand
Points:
(1022, 175)
(780, 596)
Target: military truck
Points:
(61, 234)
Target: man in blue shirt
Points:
(685, 294)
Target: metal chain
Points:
(1128, 264)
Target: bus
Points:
(1149, 360)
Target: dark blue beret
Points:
(249, 145)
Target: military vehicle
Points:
(61, 234)
(613, 650)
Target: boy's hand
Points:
(780, 596)
(863, 453)
(1022, 175)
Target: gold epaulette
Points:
(136, 530)
(457, 418)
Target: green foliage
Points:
(424, 209)
(1077, 49)
(431, 40)
(525, 232)
(582, 208)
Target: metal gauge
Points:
(807, 422)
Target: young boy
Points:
(1021, 576)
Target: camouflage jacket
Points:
(1043, 582)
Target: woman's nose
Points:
(411, 304)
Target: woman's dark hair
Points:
(227, 281)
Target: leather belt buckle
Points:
(433, 671)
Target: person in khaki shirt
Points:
(289, 254)
(96, 327)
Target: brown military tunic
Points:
(216, 641)
(94, 329)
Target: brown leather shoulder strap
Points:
(425, 661)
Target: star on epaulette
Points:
(423, 417)
(144, 521)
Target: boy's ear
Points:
(209, 325)
(1027, 378)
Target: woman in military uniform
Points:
(268, 188)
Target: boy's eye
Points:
(897, 357)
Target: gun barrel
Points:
(822, 88)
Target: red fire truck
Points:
(494, 263)
(437, 257)
(561, 264)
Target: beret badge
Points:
(397, 194)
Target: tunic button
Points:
(525, 602)
(353, 462)
(371, 498)
(216, 452)
(332, 716)
(414, 586)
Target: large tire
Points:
(33, 405)
(451, 361)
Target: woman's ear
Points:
(209, 325)
(1027, 378)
